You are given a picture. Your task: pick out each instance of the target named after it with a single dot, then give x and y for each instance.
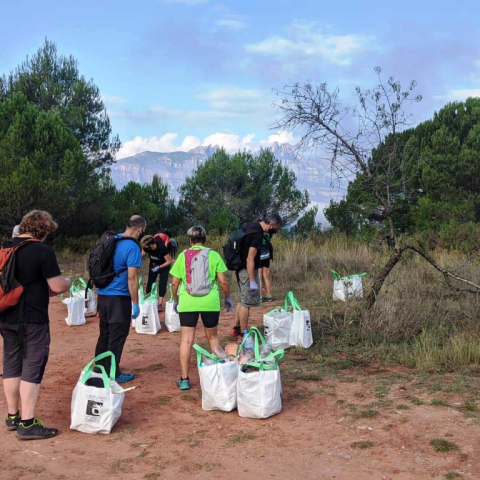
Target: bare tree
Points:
(364, 139)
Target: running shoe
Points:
(12, 422)
(125, 377)
(235, 332)
(267, 299)
(183, 384)
(36, 431)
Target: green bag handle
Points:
(338, 277)
(73, 289)
(81, 283)
(171, 292)
(290, 297)
(262, 365)
(259, 362)
(150, 296)
(201, 351)
(90, 366)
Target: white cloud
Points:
(305, 41)
(239, 100)
(459, 95)
(232, 23)
(229, 141)
(187, 2)
(114, 100)
(166, 143)
(279, 137)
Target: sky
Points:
(175, 74)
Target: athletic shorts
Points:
(265, 263)
(247, 298)
(190, 319)
(28, 362)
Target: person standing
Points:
(198, 296)
(118, 302)
(247, 275)
(25, 327)
(160, 262)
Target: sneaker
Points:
(36, 431)
(235, 332)
(12, 422)
(125, 377)
(267, 299)
(183, 384)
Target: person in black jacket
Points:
(247, 276)
(160, 263)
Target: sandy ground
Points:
(164, 433)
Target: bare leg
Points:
(188, 337)
(266, 277)
(11, 386)
(212, 337)
(238, 309)
(244, 314)
(28, 394)
(260, 277)
(160, 303)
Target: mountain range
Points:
(312, 174)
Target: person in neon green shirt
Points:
(191, 307)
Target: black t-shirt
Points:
(157, 257)
(34, 263)
(253, 238)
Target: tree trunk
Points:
(382, 276)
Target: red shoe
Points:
(235, 332)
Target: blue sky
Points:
(175, 74)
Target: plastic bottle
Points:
(248, 345)
(265, 351)
(207, 361)
(219, 352)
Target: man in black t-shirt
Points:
(160, 263)
(25, 327)
(247, 276)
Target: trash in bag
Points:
(76, 308)
(349, 287)
(276, 326)
(218, 381)
(301, 331)
(172, 318)
(148, 322)
(88, 297)
(97, 398)
(259, 385)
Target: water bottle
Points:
(248, 345)
(219, 352)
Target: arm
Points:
(252, 252)
(133, 283)
(175, 285)
(168, 262)
(59, 284)
(223, 282)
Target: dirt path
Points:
(165, 434)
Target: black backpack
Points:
(232, 250)
(100, 262)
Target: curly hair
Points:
(37, 223)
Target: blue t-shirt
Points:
(127, 254)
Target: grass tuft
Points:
(442, 445)
(362, 444)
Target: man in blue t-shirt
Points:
(118, 302)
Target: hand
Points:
(155, 269)
(254, 286)
(175, 307)
(136, 311)
(228, 304)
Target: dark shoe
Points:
(235, 332)
(183, 384)
(125, 377)
(12, 422)
(36, 431)
(266, 298)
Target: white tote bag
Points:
(75, 307)
(277, 325)
(148, 322)
(301, 331)
(96, 409)
(347, 288)
(89, 299)
(218, 382)
(172, 319)
(259, 388)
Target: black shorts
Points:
(265, 263)
(28, 362)
(190, 319)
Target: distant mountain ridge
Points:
(175, 167)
